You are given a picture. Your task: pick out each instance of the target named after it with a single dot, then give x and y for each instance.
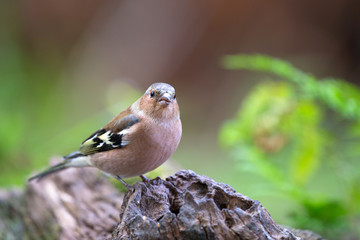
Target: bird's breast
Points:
(150, 145)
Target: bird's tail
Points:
(51, 170)
(75, 159)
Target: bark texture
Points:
(189, 206)
(72, 204)
(81, 204)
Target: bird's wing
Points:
(110, 137)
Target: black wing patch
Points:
(104, 140)
(97, 133)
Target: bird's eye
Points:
(152, 93)
(174, 96)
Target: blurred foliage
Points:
(295, 133)
(40, 111)
(338, 95)
(33, 115)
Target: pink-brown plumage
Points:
(152, 142)
(136, 141)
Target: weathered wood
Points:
(189, 206)
(82, 204)
(72, 204)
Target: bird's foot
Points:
(128, 187)
(145, 179)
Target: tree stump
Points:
(81, 204)
(72, 204)
(189, 206)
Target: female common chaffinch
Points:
(136, 141)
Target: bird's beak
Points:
(166, 97)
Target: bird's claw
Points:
(145, 179)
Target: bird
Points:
(136, 141)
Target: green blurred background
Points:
(273, 131)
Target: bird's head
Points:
(159, 101)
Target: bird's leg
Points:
(145, 179)
(123, 182)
